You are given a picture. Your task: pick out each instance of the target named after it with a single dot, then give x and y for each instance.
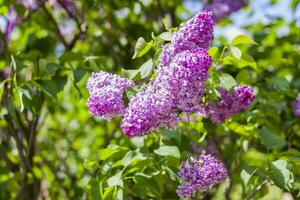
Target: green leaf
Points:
(280, 83)
(131, 157)
(271, 140)
(246, 175)
(132, 74)
(34, 104)
(138, 141)
(242, 39)
(173, 176)
(89, 164)
(70, 56)
(119, 194)
(167, 23)
(94, 189)
(282, 175)
(2, 89)
(53, 86)
(127, 158)
(146, 68)
(254, 157)
(168, 151)
(202, 138)
(167, 36)
(24, 92)
(141, 48)
(236, 52)
(146, 186)
(171, 134)
(116, 180)
(19, 99)
(20, 93)
(13, 63)
(108, 193)
(246, 77)
(247, 60)
(213, 52)
(227, 81)
(52, 67)
(106, 153)
(79, 74)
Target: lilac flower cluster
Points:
(297, 106)
(223, 8)
(30, 4)
(106, 94)
(200, 174)
(12, 22)
(196, 33)
(178, 87)
(179, 84)
(230, 104)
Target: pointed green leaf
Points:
(70, 56)
(282, 175)
(213, 52)
(227, 81)
(242, 39)
(116, 180)
(146, 68)
(141, 47)
(167, 36)
(236, 52)
(246, 175)
(168, 151)
(271, 140)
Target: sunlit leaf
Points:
(141, 47)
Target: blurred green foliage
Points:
(52, 148)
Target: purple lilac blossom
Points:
(200, 174)
(177, 88)
(68, 5)
(12, 22)
(30, 4)
(150, 109)
(223, 8)
(106, 94)
(196, 33)
(67, 29)
(297, 106)
(230, 104)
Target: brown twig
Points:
(81, 27)
(57, 30)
